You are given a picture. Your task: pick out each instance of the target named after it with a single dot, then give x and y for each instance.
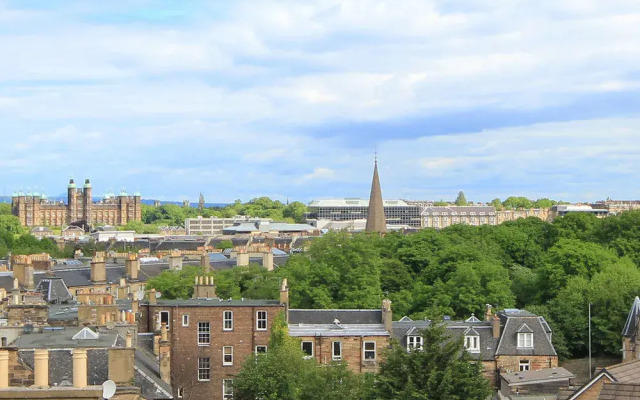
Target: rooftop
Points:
(347, 202)
(534, 377)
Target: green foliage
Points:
(5, 209)
(224, 244)
(513, 202)
(139, 227)
(283, 373)
(440, 203)
(497, 204)
(441, 371)
(176, 284)
(461, 200)
(11, 224)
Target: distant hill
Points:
(7, 199)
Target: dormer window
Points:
(525, 340)
(472, 343)
(414, 343)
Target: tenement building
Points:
(34, 209)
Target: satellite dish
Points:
(108, 389)
(158, 295)
(28, 328)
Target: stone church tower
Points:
(376, 221)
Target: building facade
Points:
(396, 212)
(34, 209)
(215, 225)
(441, 217)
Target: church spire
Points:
(376, 221)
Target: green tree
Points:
(5, 209)
(461, 200)
(513, 202)
(497, 204)
(443, 370)
(283, 373)
(11, 224)
(544, 203)
(296, 211)
(440, 203)
(224, 244)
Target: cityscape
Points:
(322, 200)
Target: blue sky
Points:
(290, 99)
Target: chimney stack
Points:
(98, 269)
(164, 350)
(23, 270)
(387, 316)
(152, 297)
(79, 368)
(495, 323)
(41, 367)
(284, 297)
(175, 261)
(128, 339)
(205, 262)
(267, 260)
(132, 264)
(487, 314)
(204, 288)
(4, 369)
(243, 258)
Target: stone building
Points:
(510, 341)
(205, 340)
(631, 334)
(34, 209)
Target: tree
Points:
(224, 244)
(514, 202)
(11, 224)
(544, 203)
(295, 210)
(461, 200)
(201, 203)
(497, 204)
(5, 209)
(440, 203)
(283, 373)
(443, 370)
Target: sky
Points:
(291, 99)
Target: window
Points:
(180, 393)
(261, 320)
(227, 389)
(204, 334)
(525, 365)
(227, 321)
(261, 349)
(472, 343)
(525, 340)
(227, 355)
(336, 353)
(307, 349)
(369, 351)
(185, 319)
(204, 369)
(414, 343)
(164, 318)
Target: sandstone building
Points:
(35, 210)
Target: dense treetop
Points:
(555, 270)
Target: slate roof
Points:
(627, 372)
(405, 327)
(488, 344)
(61, 365)
(512, 321)
(147, 377)
(620, 391)
(535, 377)
(632, 318)
(180, 244)
(62, 338)
(6, 281)
(300, 330)
(53, 290)
(302, 316)
(215, 303)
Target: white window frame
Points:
(306, 355)
(168, 318)
(225, 395)
(226, 319)
(524, 365)
(201, 369)
(227, 351)
(525, 340)
(334, 356)
(185, 319)
(202, 333)
(472, 343)
(256, 352)
(261, 320)
(415, 342)
(365, 351)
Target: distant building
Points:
(215, 225)
(512, 215)
(41, 231)
(172, 230)
(441, 217)
(396, 212)
(34, 209)
(564, 209)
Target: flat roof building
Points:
(397, 212)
